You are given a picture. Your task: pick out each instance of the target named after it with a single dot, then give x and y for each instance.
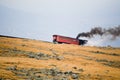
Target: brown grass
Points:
(97, 63)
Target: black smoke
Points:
(114, 32)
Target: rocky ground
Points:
(26, 59)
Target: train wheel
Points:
(55, 42)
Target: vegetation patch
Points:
(100, 52)
(115, 64)
(43, 74)
(42, 56)
(7, 52)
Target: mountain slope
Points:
(39, 60)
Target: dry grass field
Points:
(26, 59)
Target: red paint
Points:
(67, 40)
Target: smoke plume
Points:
(114, 32)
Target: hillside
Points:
(27, 59)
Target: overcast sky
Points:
(40, 19)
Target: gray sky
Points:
(40, 19)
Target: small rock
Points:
(74, 76)
(59, 73)
(107, 71)
(64, 78)
(31, 55)
(74, 67)
(70, 72)
(81, 70)
(60, 58)
(2, 79)
(40, 54)
(12, 68)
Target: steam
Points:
(113, 32)
(100, 41)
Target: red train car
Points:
(68, 40)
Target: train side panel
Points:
(63, 39)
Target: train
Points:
(58, 39)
